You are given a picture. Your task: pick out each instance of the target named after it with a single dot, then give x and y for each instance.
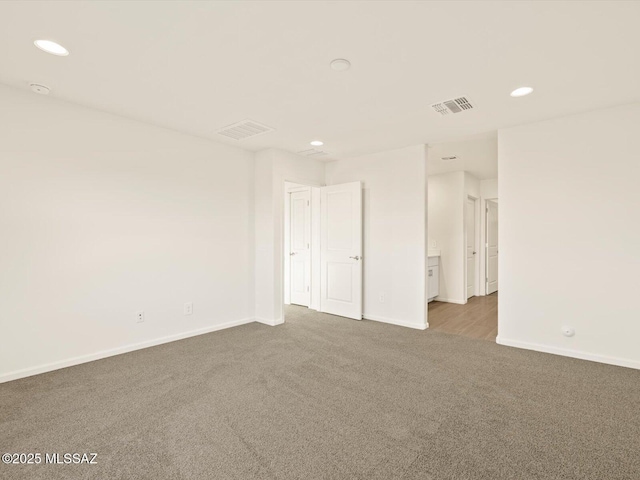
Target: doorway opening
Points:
(463, 237)
(323, 249)
(301, 245)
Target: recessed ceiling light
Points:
(317, 143)
(521, 92)
(340, 64)
(51, 47)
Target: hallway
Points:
(477, 319)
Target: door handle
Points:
(292, 254)
(474, 253)
(356, 257)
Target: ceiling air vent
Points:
(456, 105)
(244, 129)
(313, 152)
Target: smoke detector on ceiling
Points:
(456, 105)
(340, 64)
(41, 89)
(313, 152)
(244, 129)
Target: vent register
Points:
(313, 152)
(250, 128)
(456, 105)
(244, 129)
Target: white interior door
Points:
(300, 246)
(470, 220)
(341, 255)
(492, 247)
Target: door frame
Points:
(284, 265)
(486, 243)
(287, 240)
(476, 243)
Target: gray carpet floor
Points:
(322, 397)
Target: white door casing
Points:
(300, 248)
(492, 247)
(341, 244)
(470, 243)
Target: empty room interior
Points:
(319, 240)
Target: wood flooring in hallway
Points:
(477, 319)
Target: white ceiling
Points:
(199, 66)
(477, 155)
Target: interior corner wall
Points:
(394, 204)
(489, 189)
(471, 186)
(569, 235)
(446, 231)
(273, 168)
(102, 217)
(265, 306)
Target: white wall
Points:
(265, 302)
(471, 185)
(273, 168)
(489, 188)
(103, 216)
(569, 235)
(446, 232)
(394, 226)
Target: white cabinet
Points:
(433, 277)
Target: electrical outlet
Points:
(434, 243)
(382, 297)
(139, 316)
(188, 308)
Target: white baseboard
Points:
(48, 367)
(400, 323)
(565, 352)
(450, 300)
(271, 323)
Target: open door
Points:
(300, 245)
(341, 257)
(492, 247)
